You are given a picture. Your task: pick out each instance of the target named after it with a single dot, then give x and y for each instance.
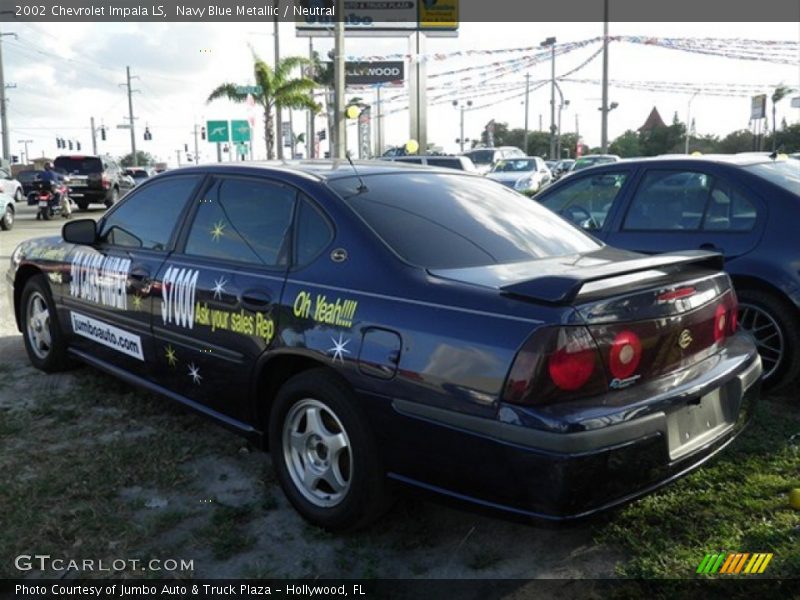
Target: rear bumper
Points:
(619, 456)
(88, 195)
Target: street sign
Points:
(758, 107)
(364, 133)
(796, 102)
(124, 126)
(240, 131)
(249, 89)
(372, 73)
(218, 131)
(439, 14)
(287, 133)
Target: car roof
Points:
(320, 170)
(742, 160)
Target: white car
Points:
(10, 186)
(526, 175)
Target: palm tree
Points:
(779, 94)
(278, 89)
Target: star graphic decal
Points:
(194, 373)
(171, 356)
(339, 349)
(219, 288)
(137, 302)
(218, 230)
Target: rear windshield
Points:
(514, 166)
(590, 161)
(443, 221)
(79, 165)
(785, 173)
(137, 173)
(482, 157)
(26, 176)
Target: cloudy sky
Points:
(67, 73)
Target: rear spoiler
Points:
(565, 288)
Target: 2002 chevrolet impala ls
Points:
(386, 322)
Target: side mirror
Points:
(81, 231)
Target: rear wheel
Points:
(7, 222)
(112, 199)
(82, 204)
(18, 195)
(324, 454)
(45, 213)
(44, 341)
(775, 327)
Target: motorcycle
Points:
(47, 196)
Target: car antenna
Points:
(362, 187)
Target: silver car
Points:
(527, 175)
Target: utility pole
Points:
(527, 101)
(4, 102)
(688, 121)
(378, 121)
(94, 136)
(310, 141)
(551, 43)
(278, 116)
(130, 113)
(177, 157)
(463, 107)
(340, 148)
(196, 146)
(604, 107)
(27, 156)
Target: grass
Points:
(226, 533)
(736, 503)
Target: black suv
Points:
(93, 179)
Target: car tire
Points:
(775, 326)
(18, 196)
(82, 205)
(7, 222)
(45, 213)
(344, 491)
(44, 341)
(112, 200)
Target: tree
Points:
(278, 89)
(142, 159)
(787, 139)
(626, 145)
(778, 94)
(736, 141)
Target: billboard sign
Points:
(365, 17)
(373, 73)
(758, 107)
(364, 133)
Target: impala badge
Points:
(685, 339)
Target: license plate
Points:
(43, 203)
(700, 422)
(78, 184)
(74, 195)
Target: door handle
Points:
(256, 300)
(140, 277)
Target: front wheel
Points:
(112, 199)
(18, 195)
(324, 453)
(7, 222)
(44, 341)
(775, 328)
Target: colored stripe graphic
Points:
(735, 563)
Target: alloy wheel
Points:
(766, 334)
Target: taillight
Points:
(625, 354)
(733, 320)
(720, 323)
(106, 182)
(556, 364)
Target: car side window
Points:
(728, 210)
(669, 201)
(586, 201)
(243, 220)
(313, 233)
(450, 163)
(413, 161)
(147, 217)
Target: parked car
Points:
(745, 207)
(7, 211)
(591, 160)
(389, 321)
(93, 179)
(561, 167)
(10, 186)
(526, 175)
(461, 163)
(26, 179)
(140, 174)
(485, 158)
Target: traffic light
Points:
(60, 143)
(77, 145)
(147, 135)
(69, 143)
(202, 133)
(14, 159)
(321, 135)
(186, 147)
(103, 133)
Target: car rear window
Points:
(26, 176)
(481, 157)
(783, 173)
(436, 220)
(79, 165)
(450, 163)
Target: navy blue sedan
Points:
(417, 325)
(746, 207)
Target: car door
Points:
(688, 209)
(587, 200)
(107, 290)
(218, 295)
